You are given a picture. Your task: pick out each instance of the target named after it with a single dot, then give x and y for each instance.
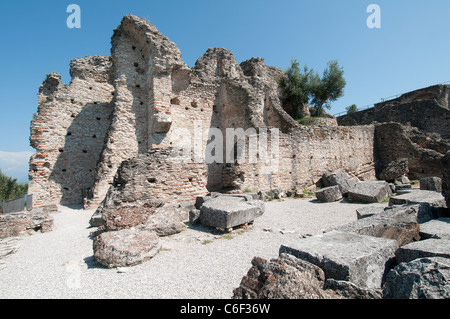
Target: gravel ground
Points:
(197, 263)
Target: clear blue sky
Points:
(409, 51)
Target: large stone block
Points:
(399, 223)
(367, 211)
(424, 248)
(340, 179)
(227, 212)
(371, 192)
(432, 203)
(424, 278)
(420, 196)
(436, 228)
(329, 194)
(126, 247)
(431, 184)
(362, 260)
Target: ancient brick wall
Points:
(145, 97)
(68, 132)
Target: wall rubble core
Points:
(144, 98)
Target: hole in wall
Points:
(151, 180)
(98, 118)
(84, 151)
(94, 136)
(61, 150)
(190, 179)
(69, 133)
(133, 47)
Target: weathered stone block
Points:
(436, 228)
(126, 247)
(431, 184)
(226, 212)
(371, 192)
(395, 169)
(399, 223)
(340, 179)
(194, 216)
(329, 194)
(359, 259)
(367, 211)
(423, 248)
(285, 277)
(424, 278)
(433, 204)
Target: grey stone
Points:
(402, 187)
(419, 196)
(424, 278)
(349, 290)
(285, 277)
(167, 220)
(433, 203)
(96, 219)
(424, 248)
(436, 228)
(126, 247)
(371, 192)
(225, 212)
(329, 194)
(367, 211)
(431, 184)
(359, 259)
(402, 180)
(200, 200)
(398, 223)
(194, 217)
(395, 169)
(340, 179)
(161, 123)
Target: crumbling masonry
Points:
(137, 102)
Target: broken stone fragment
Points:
(124, 248)
(423, 248)
(423, 278)
(431, 184)
(329, 194)
(161, 123)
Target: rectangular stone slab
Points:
(424, 248)
(362, 260)
(224, 212)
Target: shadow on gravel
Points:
(92, 263)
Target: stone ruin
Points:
(123, 138)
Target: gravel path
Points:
(197, 263)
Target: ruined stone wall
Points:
(69, 130)
(427, 109)
(304, 155)
(424, 151)
(145, 97)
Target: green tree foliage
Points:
(10, 189)
(352, 109)
(327, 88)
(306, 86)
(296, 87)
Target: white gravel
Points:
(195, 264)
